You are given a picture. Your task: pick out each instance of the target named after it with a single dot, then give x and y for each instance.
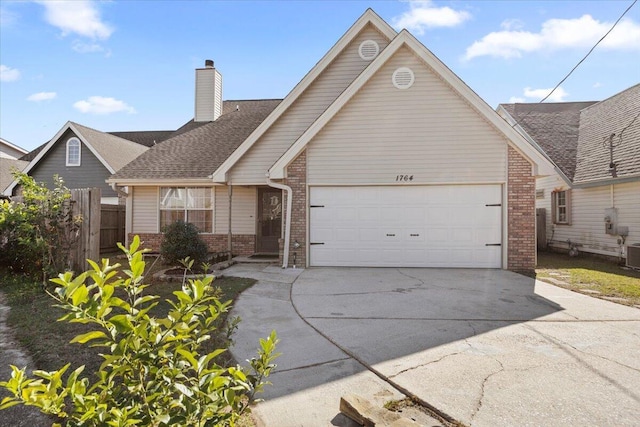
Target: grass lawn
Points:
(587, 274)
(34, 318)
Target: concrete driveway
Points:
(484, 347)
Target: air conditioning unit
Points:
(633, 255)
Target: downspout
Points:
(229, 236)
(120, 192)
(287, 220)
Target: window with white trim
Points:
(73, 152)
(561, 207)
(189, 204)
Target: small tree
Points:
(182, 240)
(40, 230)
(153, 372)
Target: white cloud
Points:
(597, 85)
(424, 14)
(516, 100)
(42, 96)
(556, 34)
(81, 47)
(8, 74)
(80, 17)
(102, 105)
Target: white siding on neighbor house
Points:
(426, 131)
(145, 209)
(243, 210)
(587, 216)
(253, 166)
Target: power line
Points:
(517, 122)
(589, 53)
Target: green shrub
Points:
(181, 240)
(38, 232)
(153, 372)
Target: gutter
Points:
(114, 187)
(287, 220)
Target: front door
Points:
(269, 219)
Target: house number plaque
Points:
(404, 178)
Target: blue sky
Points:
(129, 65)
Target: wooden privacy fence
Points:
(86, 203)
(111, 227)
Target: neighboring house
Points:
(380, 156)
(10, 151)
(83, 157)
(592, 203)
(9, 163)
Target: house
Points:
(9, 162)
(83, 157)
(592, 202)
(10, 151)
(380, 156)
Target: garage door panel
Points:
(417, 226)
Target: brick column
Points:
(521, 214)
(297, 180)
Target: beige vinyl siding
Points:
(251, 169)
(587, 215)
(243, 210)
(145, 209)
(426, 131)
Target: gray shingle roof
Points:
(148, 138)
(554, 126)
(7, 166)
(597, 123)
(576, 134)
(116, 151)
(198, 149)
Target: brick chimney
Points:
(208, 93)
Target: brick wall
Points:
(521, 214)
(297, 180)
(243, 244)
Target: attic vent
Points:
(368, 50)
(403, 78)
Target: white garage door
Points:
(406, 226)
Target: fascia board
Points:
(40, 155)
(13, 146)
(157, 182)
(607, 181)
(220, 175)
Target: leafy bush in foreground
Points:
(153, 372)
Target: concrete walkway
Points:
(485, 347)
(11, 354)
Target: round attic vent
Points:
(403, 78)
(368, 50)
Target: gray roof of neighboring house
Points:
(114, 150)
(198, 149)
(554, 127)
(7, 166)
(576, 135)
(615, 119)
(148, 138)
